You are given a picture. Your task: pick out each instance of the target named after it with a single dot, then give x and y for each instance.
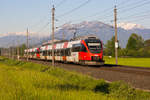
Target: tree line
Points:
(136, 47)
(13, 50)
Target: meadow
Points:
(29, 81)
(137, 62)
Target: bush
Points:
(121, 89)
(102, 86)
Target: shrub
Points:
(121, 89)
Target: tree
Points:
(135, 46)
(146, 48)
(110, 47)
(135, 42)
(147, 43)
(21, 49)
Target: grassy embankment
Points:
(29, 81)
(137, 62)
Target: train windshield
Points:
(94, 45)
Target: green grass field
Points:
(30, 81)
(139, 62)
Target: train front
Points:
(92, 51)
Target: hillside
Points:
(102, 30)
(30, 81)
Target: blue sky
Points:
(17, 15)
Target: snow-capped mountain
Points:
(104, 31)
(129, 26)
(100, 29)
(15, 40)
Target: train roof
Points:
(85, 37)
(61, 44)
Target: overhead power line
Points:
(104, 12)
(43, 27)
(99, 13)
(138, 18)
(124, 4)
(60, 3)
(131, 8)
(74, 9)
(38, 22)
(135, 16)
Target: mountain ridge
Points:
(100, 29)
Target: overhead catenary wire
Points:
(123, 3)
(74, 9)
(41, 29)
(60, 3)
(139, 18)
(126, 5)
(38, 22)
(131, 8)
(41, 20)
(135, 14)
(98, 14)
(105, 11)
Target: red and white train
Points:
(85, 51)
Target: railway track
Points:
(135, 76)
(118, 68)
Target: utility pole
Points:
(18, 56)
(116, 40)
(53, 18)
(13, 50)
(27, 44)
(63, 36)
(9, 52)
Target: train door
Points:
(75, 52)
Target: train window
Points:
(67, 52)
(63, 52)
(60, 52)
(57, 52)
(83, 48)
(40, 51)
(76, 47)
(44, 53)
(94, 45)
(48, 53)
